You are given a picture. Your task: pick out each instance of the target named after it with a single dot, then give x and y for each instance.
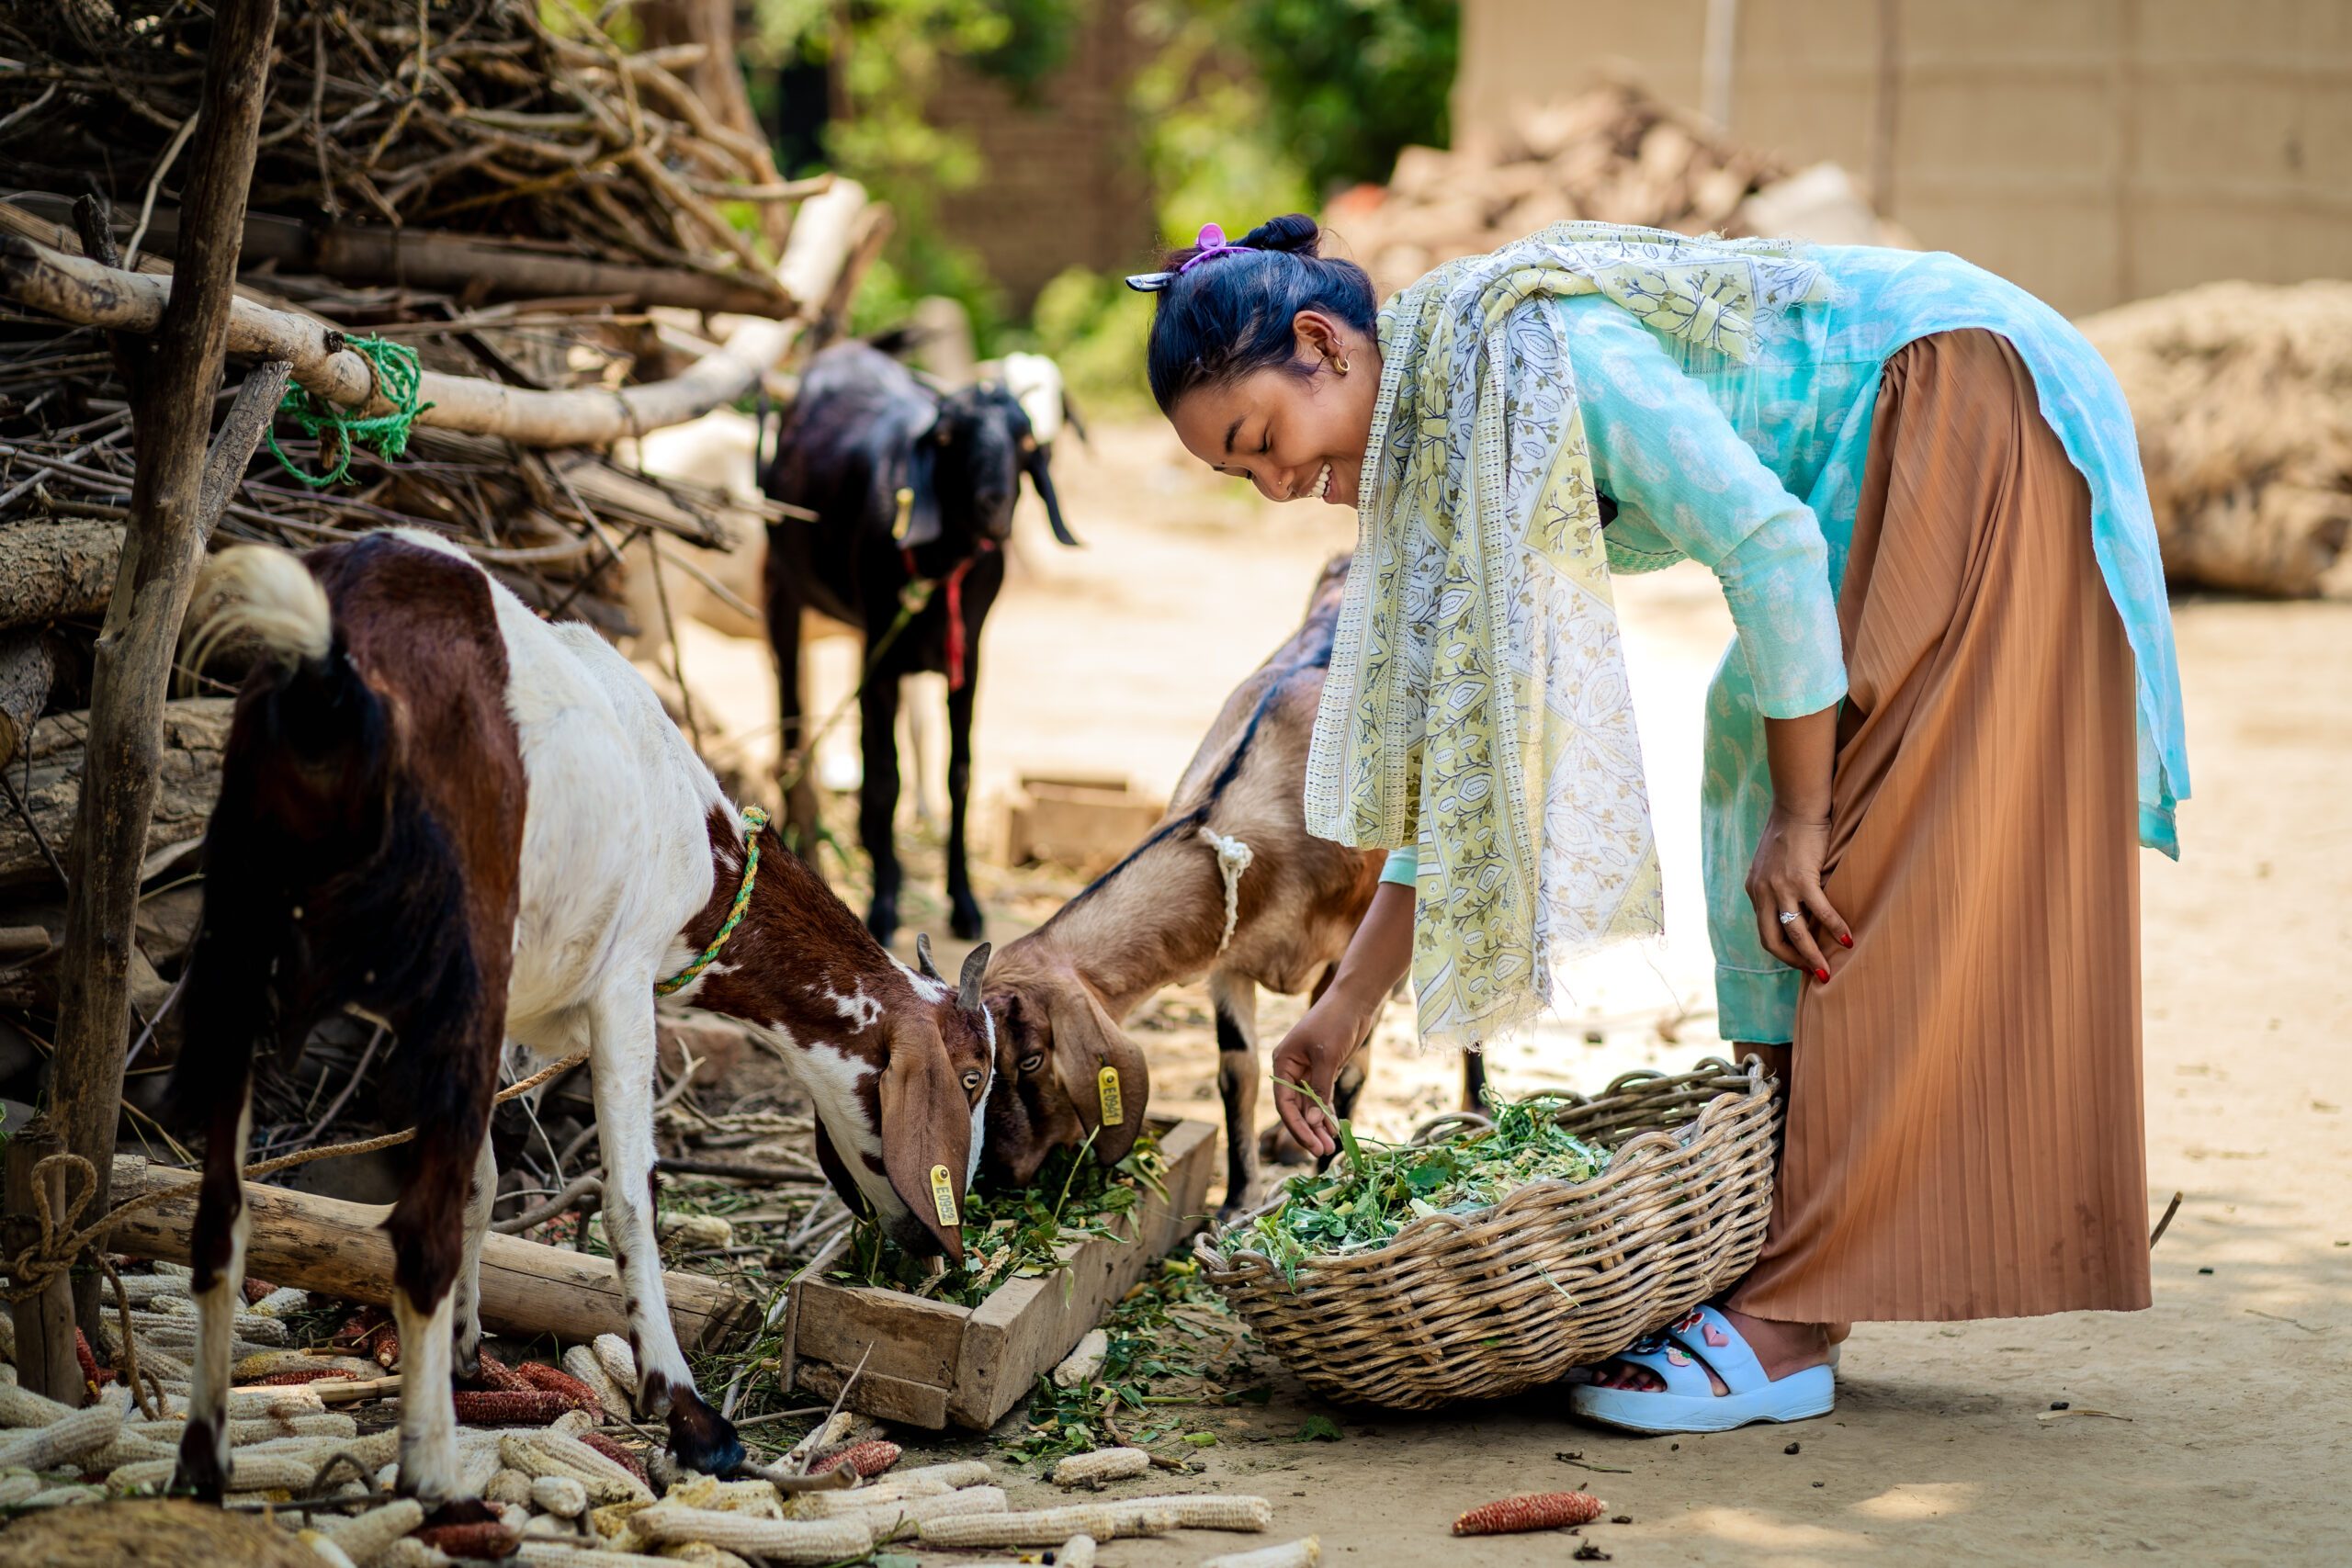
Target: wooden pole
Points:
(339, 1248)
(44, 1321)
(171, 397)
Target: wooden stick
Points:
(82, 291)
(325, 1244)
(171, 410)
(44, 1321)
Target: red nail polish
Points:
(1821, 974)
(1845, 938)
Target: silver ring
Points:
(1789, 917)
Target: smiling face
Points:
(1297, 431)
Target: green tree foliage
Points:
(1349, 82)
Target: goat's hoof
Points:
(966, 922)
(701, 1438)
(200, 1471)
(1276, 1146)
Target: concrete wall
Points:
(2094, 151)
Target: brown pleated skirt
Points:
(1964, 1126)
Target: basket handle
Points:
(1448, 1123)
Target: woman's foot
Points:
(1705, 1374)
(1780, 1347)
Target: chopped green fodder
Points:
(1380, 1188)
(1009, 1236)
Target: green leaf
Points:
(1317, 1429)
(1200, 1439)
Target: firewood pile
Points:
(1611, 153)
(2242, 394)
(529, 210)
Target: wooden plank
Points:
(325, 1244)
(1024, 1329)
(890, 1399)
(899, 1335)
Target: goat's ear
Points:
(928, 970)
(927, 1134)
(967, 989)
(1038, 464)
(1100, 1070)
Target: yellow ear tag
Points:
(1106, 1086)
(906, 499)
(942, 1195)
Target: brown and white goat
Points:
(1158, 918)
(480, 828)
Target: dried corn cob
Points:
(71, 1434)
(263, 1363)
(23, 1408)
(1079, 1368)
(889, 1520)
(580, 1362)
(297, 1377)
(619, 1360)
(555, 1379)
(574, 1423)
(703, 1553)
(778, 1540)
(252, 1289)
(278, 1303)
(1101, 1465)
(411, 1553)
(502, 1407)
(507, 1486)
(334, 1555)
(1535, 1511)
(543, 1453)
(248, 1472)
(615, 1523)
(1208, 1511)
(128, 1448)
(832, 1429)
(757, 1498)
(487, 1538)
(63, 1496)
(94, 1375)
(618, 1454)
(385, 1347)
(951, 1474)
(561, 1496)
(493, 1373)
(698, 1230)
(1303, 1553)
(356, 1330)
(15, 1489)
(365, 1537)
(568, 1554)
(1048, 1526)
(866, 1459)
(863, 1499)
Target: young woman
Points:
(1949, 717)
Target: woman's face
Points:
(1298, 432)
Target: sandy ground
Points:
(2225, 1438)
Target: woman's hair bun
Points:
(1294, 232)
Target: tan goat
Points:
(1161, 916)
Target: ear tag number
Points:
(942, 1195)
(1115, 1109)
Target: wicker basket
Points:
(1555, 1276)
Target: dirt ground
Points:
(2212, 1429)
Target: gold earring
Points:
(1339, 363)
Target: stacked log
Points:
(1613, 153)
(2242, 394)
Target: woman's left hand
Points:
(1786, 875)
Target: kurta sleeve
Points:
(1661, 448)
(1404, 867)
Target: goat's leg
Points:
(964, 916)
(795, 756)
(1474, 1080)
(217, 1252)
(621, 1036)
(878, 800)
(481, 1196)
(1234, 998)
(1352, 1076)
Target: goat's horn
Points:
(976, 964)
(922, 956)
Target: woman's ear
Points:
(1319, 336)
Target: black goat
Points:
(909, 486)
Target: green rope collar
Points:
(399, 379)
(754, 820)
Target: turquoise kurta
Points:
(1755, 471)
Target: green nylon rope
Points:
(754, 818)
(399, 379)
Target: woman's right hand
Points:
(1312, 1053)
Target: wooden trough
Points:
(928, 1363)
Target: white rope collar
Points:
(1233, 858)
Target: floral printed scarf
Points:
(1478, 706)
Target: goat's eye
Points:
(971, 1081)
(1031, 1062)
